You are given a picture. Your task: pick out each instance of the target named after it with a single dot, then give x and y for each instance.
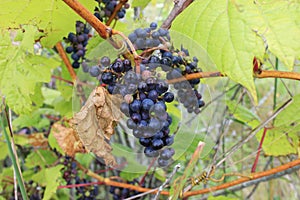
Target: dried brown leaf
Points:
(95, 123)
(38, 140)
(67, 139)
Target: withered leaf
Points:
(38, 140)
(67, 139)
(95, 123)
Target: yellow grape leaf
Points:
(67, 139)
(95, 123)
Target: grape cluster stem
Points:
(117, 8)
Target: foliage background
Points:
(225, 34)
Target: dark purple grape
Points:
(75, 57)
(117, 66)
(147, 104)
(153, 95)
(167, 153)
(150, 152)
(168, 140)
(75, 65)
(146, 142)
(105, 61)
(162, 163)
(157, 144)
(135, 106)
(131, 124)
(153, 25)
(107, 77)
(154, 124)
(168, 97)
(125, 108)
(136, 117)
(94, 71)
(69, 49)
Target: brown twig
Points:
(278, 74)
(66, 60)
(196, 76)
(101, 28)
(62, 79)
(179, 6)
(242, 180)
(108, 181)
(263, 74)
(116, 10)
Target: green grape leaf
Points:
(52, 175)
(223, 30)
(65, 90)
(284, 138)
(37, 97)
(48, 177)
(63, 107)
(243, 114)
(84, 159)
(48, 16)
(34, 119)
(50, 95)
(281, 141)
(140, 3)
(278, 23)
(20, 71)
(41, 158)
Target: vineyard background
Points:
(239, 44)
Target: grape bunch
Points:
(69, 170)
(123, 193)
(106, 8)
(145, 38)
(146, 95)
(87, 192)
(77, 44)
(181, 64)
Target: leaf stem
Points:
(253, 169)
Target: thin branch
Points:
(167, 181)
(257, 181)
(264, 174)
(278, 74)
(179, 6)
(256, 185)
(101, 28)
(196, 76)
(66, 60)
(108, 181)
(263, 74)
(116, 10)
